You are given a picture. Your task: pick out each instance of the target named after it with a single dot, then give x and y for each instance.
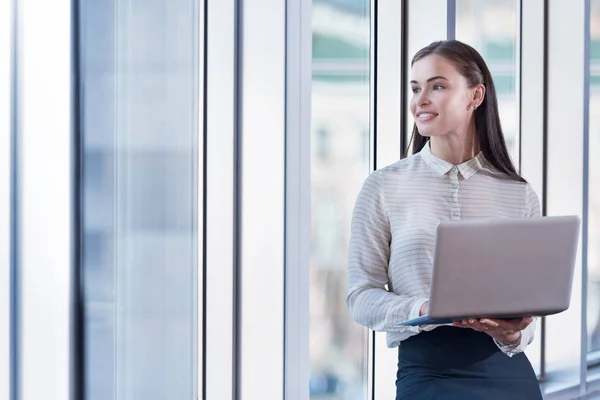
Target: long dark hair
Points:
(471, 65)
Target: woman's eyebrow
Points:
(433, 78)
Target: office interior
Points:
(178, 177)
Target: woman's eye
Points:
(416, 90)
(437, 86)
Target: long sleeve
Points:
(533, 211)
(368, 300)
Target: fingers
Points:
(494, 325)
(509, 325)
(490, 322)
(473, 323)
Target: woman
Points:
(459, 169)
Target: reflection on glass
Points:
(339, 162)
(491, 28)
(139, 198)
(593, 302)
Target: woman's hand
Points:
(506, 332)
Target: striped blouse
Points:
(390, 253)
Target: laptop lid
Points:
(503, 267)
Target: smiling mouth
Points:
(423, 117)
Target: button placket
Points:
(454, 186)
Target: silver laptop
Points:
(501, 268)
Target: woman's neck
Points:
(455, 148)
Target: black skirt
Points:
(450, 363)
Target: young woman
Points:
(459, 169)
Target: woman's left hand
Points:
(504, 331)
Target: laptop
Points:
(503, 268)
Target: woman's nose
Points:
(423, 99)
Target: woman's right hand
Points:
(424, 309)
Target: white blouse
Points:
(393, 230)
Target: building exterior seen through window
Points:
(339, 164)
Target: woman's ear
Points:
(478, 94)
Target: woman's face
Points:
(441, 97)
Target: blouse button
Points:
(456, 213)
(454, 186)
(454, 168)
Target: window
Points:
(140, 199)
(340, 101)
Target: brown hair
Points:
(471, 65)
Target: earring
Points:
(476, 105)
(469, 107)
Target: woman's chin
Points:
(426, 132)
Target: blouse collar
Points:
(442, 167)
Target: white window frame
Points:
(564, 179)
(6, 169)
(261, 196)
(44, 238)
(220, 352)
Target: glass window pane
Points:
(139, 198)
(593, 303)
(339, 165)
(491, 27)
